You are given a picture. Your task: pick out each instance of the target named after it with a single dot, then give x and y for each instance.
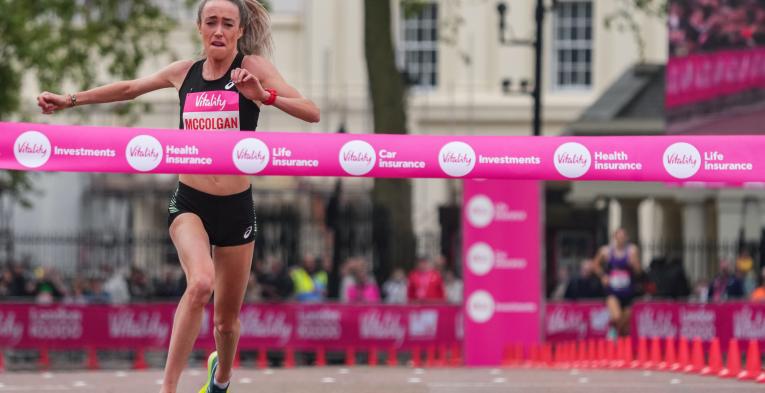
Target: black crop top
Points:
(215, 105)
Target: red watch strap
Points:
(272, 99)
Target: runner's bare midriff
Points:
(217, 184)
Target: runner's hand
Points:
(249, 85)
(49, 102)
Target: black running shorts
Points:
(229, 220)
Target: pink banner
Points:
(729, 159)
(502, 274)
(743, 321)
(575, 321)
(703, 77)
(263, 325)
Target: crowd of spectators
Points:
(698, 26)
(46, 285)
(271, 280)
(429, 282)
(667, 279)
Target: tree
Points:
(59, 41)
(625, 18)
(392, 198)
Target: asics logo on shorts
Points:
(248, 232)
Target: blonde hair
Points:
(256, 22)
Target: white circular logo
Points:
(480, 306)
(682, 160)
(457, 159)
(32, 149)
(480, 211)
(144, 153)
(357, 158)
(572, 160)
(480, 258)
(250, 155)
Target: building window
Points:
(418, 46)
(572, 45)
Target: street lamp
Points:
(536, 93)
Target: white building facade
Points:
(458, 64)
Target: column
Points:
(694, 240)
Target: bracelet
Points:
(72, 100)
(272, 98)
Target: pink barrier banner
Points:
(39, 147)
(703, 77)
(502, 273)
(575, 321)
(263, 325)
(743, 321)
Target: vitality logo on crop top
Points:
(212, 110)
(144, 153)
(32, 149)
(251, 155)
(682, 160)
(357, 158)
(456, 159)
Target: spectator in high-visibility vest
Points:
(759, 293)
(310, 282)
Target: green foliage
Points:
(413, 7)
(623, 19)
(60, 41)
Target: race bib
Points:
(619, 279)
(211, 110)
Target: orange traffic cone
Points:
(547, 358)
(372, 359)
(753, 362)
(734, 361)
(416, 362)
(629, 361)
(618, 361)
(697, 357)
(508, 357)
(430, 356)
(456, 360)
(610, 352)
(684, 358)
(655, 353)
(643, 352)
(581, 354)
(350, 357)
(441, 355)
(289, 358)
(602, 353)
(715, 359)
(392, 357)
(139, 363)
(262, 361)
(92, 356)
(592, 353)
(321, 357)
(237, 360)
(670, 358)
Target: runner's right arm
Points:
(170, 76)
